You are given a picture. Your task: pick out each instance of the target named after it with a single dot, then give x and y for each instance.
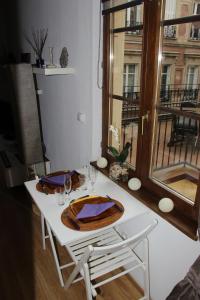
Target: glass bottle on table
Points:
(60, 195)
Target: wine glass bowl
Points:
(68, 187)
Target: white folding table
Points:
(51, 213)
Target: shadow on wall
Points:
(16, 254)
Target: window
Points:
(129, 82)
(192, 77)
(165, 83)
(195, 28)
(170, 13)
(196, 8)
(133, 16)
(146, 97)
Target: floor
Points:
(27, 271)
(185, 187)
(181, 179)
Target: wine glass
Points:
(68, 187)
(92, 176)
(84, 177)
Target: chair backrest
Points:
(129, 242)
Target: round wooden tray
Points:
(108, 217)
(50, 188)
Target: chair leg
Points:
(98, 289)
(72, 276)
(146, 270)
(87, 282)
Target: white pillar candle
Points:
(102, 162)
(166, 205)
(134, 184)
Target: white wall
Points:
(171, 255)
(74, 23)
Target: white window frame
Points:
(192, 70)
(126, 75)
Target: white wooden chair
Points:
(107, 251)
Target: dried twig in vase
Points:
(39, 39)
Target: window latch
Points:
(144, 117)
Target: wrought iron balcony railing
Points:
(174, 94)
(170, 31)
(170, 96)
(171, 93)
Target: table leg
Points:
(55, 255)
(43, 232)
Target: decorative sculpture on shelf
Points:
(51, 64)
(64, 58)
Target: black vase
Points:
(40, 63)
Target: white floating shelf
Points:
(53, 71)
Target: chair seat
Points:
(103, 238)
(111, 250)
(100, 265)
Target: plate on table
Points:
(92, 212)
(50, 188)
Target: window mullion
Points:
(148, 85)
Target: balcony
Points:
(131, 92)
(170, 32)
(171, 96)
(133, 23)
(180, 160)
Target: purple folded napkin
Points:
(93, 210)
(57, 179)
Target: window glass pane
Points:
(124, 119)
(170, 9)
(176, 155)
(110, 4)
(176, 159)
(182, 33)
(180, 8)
(126, 65)
(129, 17)
(126, 54)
